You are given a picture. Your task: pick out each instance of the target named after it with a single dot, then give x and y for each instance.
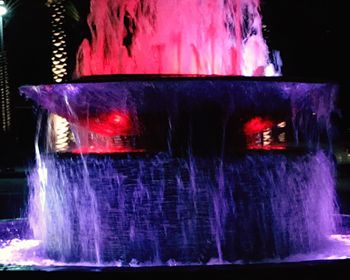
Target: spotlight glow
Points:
(3, 10)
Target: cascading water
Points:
(157, 208)
(198, 195)
(175, 37)
(182, 170)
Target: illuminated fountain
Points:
(175, 37)
(186, 167)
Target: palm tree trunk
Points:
(59, 128)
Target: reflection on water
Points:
(22, 254)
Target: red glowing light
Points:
(105, 150)
(105, 132)
(259, 136)
(111, 124)
(267, 147)
(257, 125)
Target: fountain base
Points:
(155, 208)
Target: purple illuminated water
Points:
(157, 208)
(168, 208)
(164, 211)
(175, 204)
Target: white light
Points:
(267, 137)
(282, 124)
(3, 10)
(282, 137)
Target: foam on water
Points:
(19, 254)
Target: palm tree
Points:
(5, 98)
(59, 127)
(5, 101)
(58, 34)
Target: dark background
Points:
(310, 35)
(27, 35)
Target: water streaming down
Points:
(166, 170)
(252, 208)
(176, 37)
(200, 194)
(49, 208)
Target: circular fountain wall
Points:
(204, 191)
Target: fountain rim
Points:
(193, 77)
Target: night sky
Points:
(308, 33)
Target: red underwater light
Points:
(111, 124)
(257, 125)
(112, 132)
(105, 150)
(265, 134)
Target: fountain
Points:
(198, 162)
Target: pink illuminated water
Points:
(209, 37)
